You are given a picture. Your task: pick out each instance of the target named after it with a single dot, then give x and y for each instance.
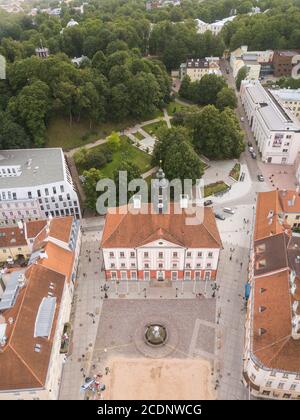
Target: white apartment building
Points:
(288, 98)
(258, 63)
(196, 68)
(35, 184)
(276, 130)
(214, 27)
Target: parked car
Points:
(250, 144)
(242, 119)
(208, 203)
(260, 178)
(228, 210)
(251, 150)
(227, 70)
(253, 154)
(219, 216)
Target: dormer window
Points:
(261, 264)
(261, 248)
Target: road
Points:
(245, 157)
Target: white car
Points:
(228, 210)
(242, 119)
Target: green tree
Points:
(91, 177)
(166, 137)
(242, 73)
(226, 97)
(30, 108)
(133, 172)
(216, 134)
(182, 162)
(206, 90)
(185, 88)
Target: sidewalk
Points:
(238, 189)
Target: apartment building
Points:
(275, 128)
(288, 98)
(34, 307)
(258, 63)
(196, 68)
(35, 184)
(214, 27)
(272, 331)
(286, 63)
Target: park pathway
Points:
(127, 132)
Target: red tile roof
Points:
(12, 237)
(275, 348)
(34, 227)
(268, 209)
(290, 201)
(58, 228)
(133, 230)
(20, 366)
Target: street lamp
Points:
(145, 292)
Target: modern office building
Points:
(288, 98)
(275, 128)
(35, 184)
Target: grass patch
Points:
(128, 152)
(154, 127)
(235, 171)
(174, 107)
(139, 135)
(61, 134)
(215, 188)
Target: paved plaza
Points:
(191, 320)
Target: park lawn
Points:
(174, 107)
(61, 134)
(235, 172)
(127, 151)
(154, 127)
(215, 188)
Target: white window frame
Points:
(146, 274)
(196, 274)
(121, 275)
(133, 275)
(189, 277)
(172, 273)
(209, 275)
(113, 275)
(163, 274)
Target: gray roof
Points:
(275, 116)
(38, 167)
(286, 94)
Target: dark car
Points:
(253, 154)
(250, 144)
(219, 216)
(208, 203)
(260, 178)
